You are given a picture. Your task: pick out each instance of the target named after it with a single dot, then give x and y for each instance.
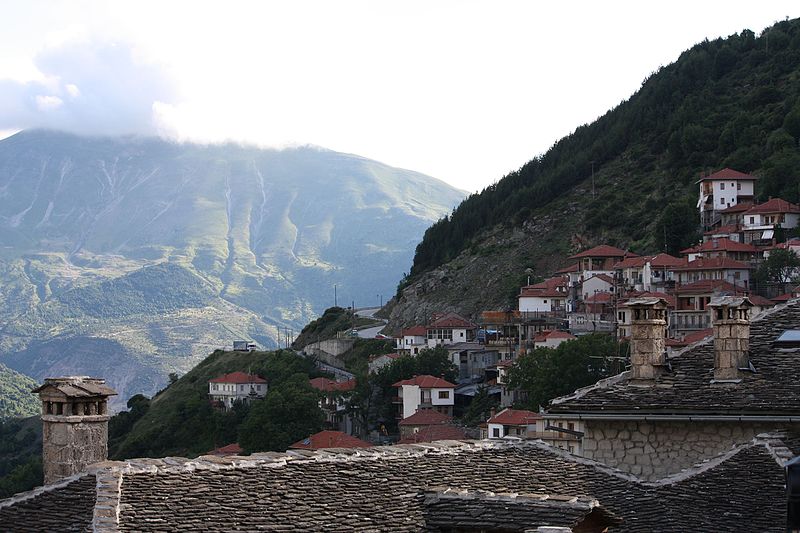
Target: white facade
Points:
(412, 343)
(443, 336)
(415, 398)
(228, 393)
(727, 192)
(594, 285)
(736, 276)
(541, 304)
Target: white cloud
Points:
(48, 102)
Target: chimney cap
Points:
(730, 301)
(77, 387)
(654, 301)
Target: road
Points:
(369, 333)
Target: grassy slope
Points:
(15, 394)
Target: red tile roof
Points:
(738, 208)
(514, 417)
(605, 277)
(724, 230)
(631, 262)
(604, 250)
(691, 338)
(784, 297)
(760, 301)
(230, 449)
(549, 288)
(599, 298)
(728, 174)
(721, 244)
(704, 286)
(238, 377)
(452, 320)
(665, 260)
(329, 439)
(649, 294)
(329, 385)
(553, 334)
(433, 433)
(572, 268)
(774, 205)
(711, 263)
(425, 417)
(416, 331)
(426, 382)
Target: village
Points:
(660, 304)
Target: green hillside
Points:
(180, 420)
(16, 399)
(731, 102)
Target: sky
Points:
(465, 91)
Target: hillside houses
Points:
(225, 390)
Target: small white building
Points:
(424, 392)
(448, 329)
(229, 388)
(552, 338)
(564, 434)
(722, 190)
(760, 221)
(547, 297)
(412, 340)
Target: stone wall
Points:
(653, 450)
(69, 447)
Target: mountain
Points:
(129, 257)
(626, 179)
(15, 394)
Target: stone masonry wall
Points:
(653, 450)
(70, 447)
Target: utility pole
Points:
(335, 303)
(592, 180)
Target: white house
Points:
(760, 221)
(722, 190)
(715, 268)
(647, 273)
(228, 388)
(412, 340)
(424, 392)
(334, 401)
(597, 283)
(549, 296)
(552, 338)
(564, 434)
(448, 329)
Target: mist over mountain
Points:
(134, 257)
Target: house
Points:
(376, 362)
(422, 419)
(329, 439)
(552, 338)
(716, 268)
(668, 413)
(508, 396)
(691, 312)
(449, 328)
(333, 401)
(676, 345)
(472, 359)
(412, 340)
(724, 247)
(760, 221)
(646, 273)
(424, 392)
(236, 386)
(510, 423)
(721, 190)
(546, 298)
(593, 315)
(435, 433)
(732, 231)
(597, 283)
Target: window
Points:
(722, 186)
(571, 426)
(738, 186)
(752, 220)
(722, 200)
(496, 433)
(444, 394)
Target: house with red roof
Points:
(230, 449)
(721, 190)
(333, 401)
(511, 423)
(546, 298)
(760, 221)
(552, 338)
(424, 392)
(646, 273)
(227, 389)
(714, 268)
(520, 423)
(691, 312)
(329, 439)
(412, 340)
(449, 328)
(724, 247)
(434, 433)
(422, 419)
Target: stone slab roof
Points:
(386, 489)
(773, 390)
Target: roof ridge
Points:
(38, 491)
(603, 383)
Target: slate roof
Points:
(390, 488)
(77, 387)
(774, 390)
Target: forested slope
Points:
(731, 102)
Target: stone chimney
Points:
(75, 424)
(731, 316)
(648, 326)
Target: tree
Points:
(782, 266)
(546, 373)
(288, 413)
(479, 408)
